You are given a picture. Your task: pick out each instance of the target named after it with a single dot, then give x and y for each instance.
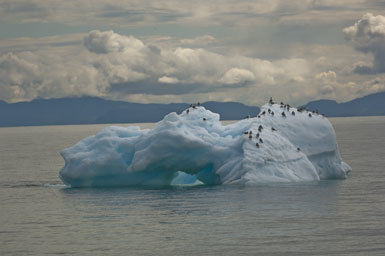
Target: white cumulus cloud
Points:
(237, 76)
(368, 36)
(168, 80)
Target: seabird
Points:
(273, 129)
(260, 140)
(309, 115)
(250, 136)
(293, 113)
(204, 119)
(187, 111)
(283, 114)
(269, 110)
(257, 136)
(257, 145)
(298, 149)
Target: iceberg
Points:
(281, 144)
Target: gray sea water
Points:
(39, 216)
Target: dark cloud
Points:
(152, 87)
(368, 36)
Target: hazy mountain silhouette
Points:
(370, 105)
(92, 110)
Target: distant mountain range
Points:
(92, 110)
(370, 105)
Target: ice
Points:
(195, 148)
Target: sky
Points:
(189, 51)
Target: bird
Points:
(260, 140)
(204, 119)
(187, 111)
(298, 149)
(257, 145)
(257, 136)
(293, 113)
(250, 136)
(273, 129)
(309, 115)
(283, 114)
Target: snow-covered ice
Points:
(194, 148)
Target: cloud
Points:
(168, 80)
(111, 63)
(367, 35)
(200, 12)
(237, 76)
(117, 66)
(108, 41)
(327, 77)
(199, 40)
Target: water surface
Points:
(40, 216)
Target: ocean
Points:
(41, 216)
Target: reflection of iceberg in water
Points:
(195, 148)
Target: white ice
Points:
(195, 148)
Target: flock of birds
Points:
(285, 107)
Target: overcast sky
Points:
(188, 51)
